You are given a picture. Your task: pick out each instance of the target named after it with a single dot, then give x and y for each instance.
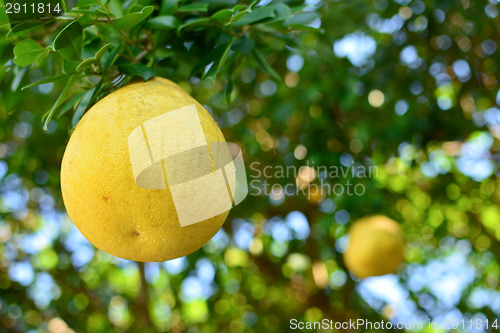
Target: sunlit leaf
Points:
(163, 22)
(255, 16)
(193, 23)
(196, 7)
(26, 52)
(163, 53)
(237, 8)
(129, 21)
(222, 15)
(68, 42)
(95, 58)
(237, 16)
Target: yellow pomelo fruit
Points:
(375, 247)
(98, 185)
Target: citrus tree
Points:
(404, 89)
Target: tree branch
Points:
(143, 319)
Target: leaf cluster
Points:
(100, 45)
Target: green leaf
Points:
(8, 102)
(97, 89)
(45, 81)
(116, 7)
(286, 39)
(68, 42)
(303, 27)
(168, 7)
(253, 3)
(69, 66)
(4, 17)
(230, 91)
(70, 104)
(82, 107)
(216, 57)
(207, 59)
(222, 51)
(266, 67)
(195, 7)
(303, 18)
(9, 98)
(129, 21)
(193, 23)
(139, 70)
(111, 57)
(95, 58)
(298, 9)
(103, 50)
(85, 63)
(39, 61)
(238, 16)
(19, 74)
(134, 7)
(243, 45)
(64, 6)
(26, 52)
(256, 15)
(283, 12)
(90, 11)
(86, 3)
(237, 8)
(24, 27)
(89, 19)
(6, 50)
(60, 99)
(163, 53)
(163, 23)
(222, 15)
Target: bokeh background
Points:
(408, 86)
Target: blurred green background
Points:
(407, 86)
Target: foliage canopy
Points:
(409, 87)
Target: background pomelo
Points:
(375, 247)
